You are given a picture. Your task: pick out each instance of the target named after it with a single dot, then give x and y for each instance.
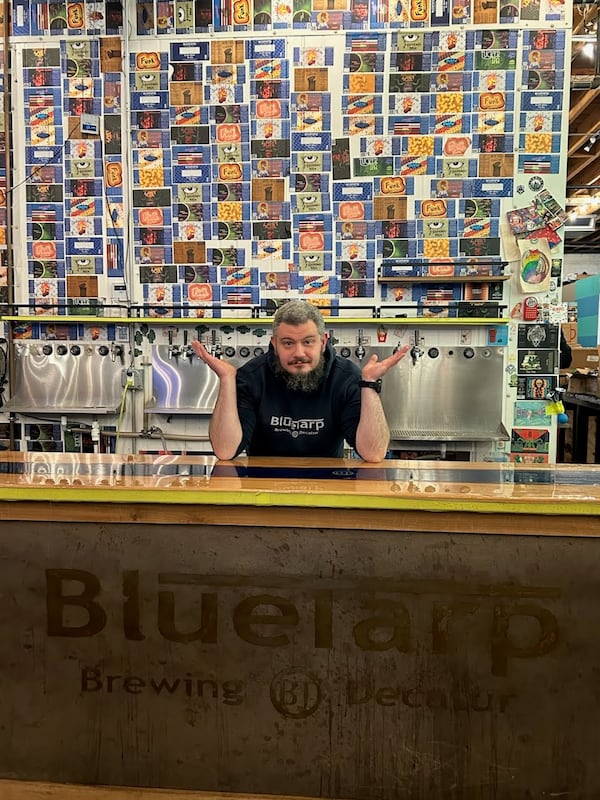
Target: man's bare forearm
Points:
(373, 433)
(225, 430)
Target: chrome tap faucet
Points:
(187, 349)
(174, 351)
(415, 350)
(116, 351)
(216, 347)
(360, 351)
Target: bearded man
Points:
(299, 399)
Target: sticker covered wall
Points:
(158, 133)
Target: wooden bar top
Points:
(38, 790)
(394, 485)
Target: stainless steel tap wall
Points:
(67, 376)
(451, 393)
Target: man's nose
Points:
(298, 350)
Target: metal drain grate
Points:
(398, 434)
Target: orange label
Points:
(441, 270)
(151, 216)
(228, 132)
(433, 208)
(395, 185)
(114, 174)
(456, 145)
(230, 172)
(75, 15)
(352, 210)
(419, 10)
(241, 12)
(311, 240)
(146, 61)
(43, 249)
(200, 292)
(491, 101)
(268, 109)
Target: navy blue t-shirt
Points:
(278, 421)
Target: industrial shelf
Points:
(441, 279)
(212, 321)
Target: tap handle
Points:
(117, 350)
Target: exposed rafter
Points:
(583, 166)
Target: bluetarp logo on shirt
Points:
(296, 427)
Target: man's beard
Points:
(301, 381)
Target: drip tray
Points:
(500, 435)
(154, 408)
(25, 407)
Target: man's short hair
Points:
(297, 312)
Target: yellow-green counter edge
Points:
(264, 499)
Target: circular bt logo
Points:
(295, 694)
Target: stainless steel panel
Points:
(183, 384)
(444, 395)
(448, 393)
(66, 377)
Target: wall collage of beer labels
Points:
(199, 164)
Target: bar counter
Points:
(339, 492)
(405, 630)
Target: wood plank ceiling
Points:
(583, 165)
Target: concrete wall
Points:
(575, 263)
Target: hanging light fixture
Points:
(587, 147)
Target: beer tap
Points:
(216, 348)
(174, 351)
(187, 348)
(415, 350)
(360, 351)
(116, 351)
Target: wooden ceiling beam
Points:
(583, 169)
(584, 14)
(584, 120)
(580, 167)
(581, 100)
(589, 175)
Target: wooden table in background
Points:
(582, 409)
